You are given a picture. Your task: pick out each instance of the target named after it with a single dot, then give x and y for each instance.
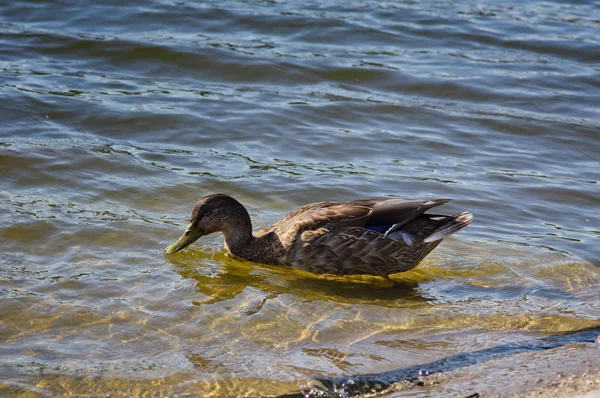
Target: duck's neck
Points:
(239, 240)
(238, 233)
(242, 243)
(260, 249)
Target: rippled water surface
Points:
(117, 116)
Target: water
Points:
(117, 117)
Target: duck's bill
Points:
(190, 235)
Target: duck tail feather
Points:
(456, 222)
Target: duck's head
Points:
(214, 213)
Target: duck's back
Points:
(377, 236)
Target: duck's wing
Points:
(394, 213)
(299, 226)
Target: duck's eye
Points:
(187, 232)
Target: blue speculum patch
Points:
(378, 228)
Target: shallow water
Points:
(117, 117)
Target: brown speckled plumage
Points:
(375, 237)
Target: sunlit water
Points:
(116, 117)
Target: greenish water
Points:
(116, 118)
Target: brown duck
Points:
(375, 237)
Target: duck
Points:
(378, 237)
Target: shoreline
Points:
(568, 371)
